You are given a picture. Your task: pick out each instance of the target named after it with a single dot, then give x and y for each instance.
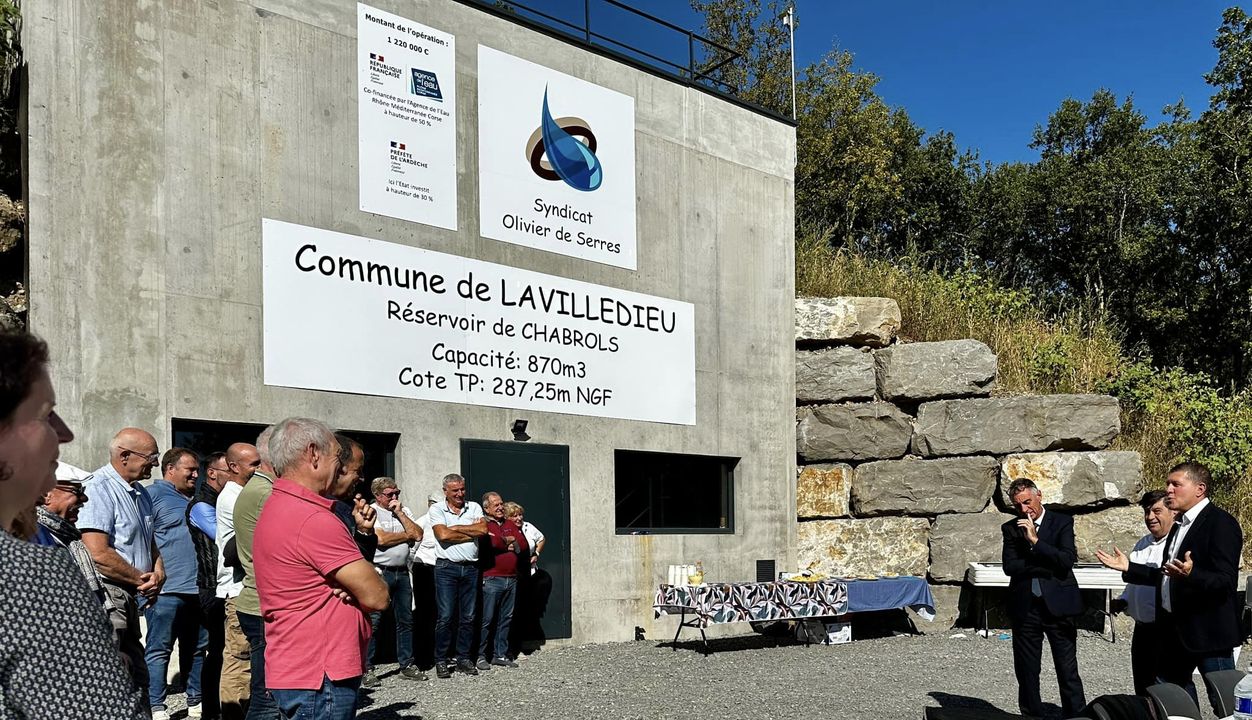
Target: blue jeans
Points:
(498, 596)
(262, 705)
(336, 700)
(456, 585)
(401, 589)
(170, 618)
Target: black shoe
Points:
(370, 680)
(503, 662)
(442, 671)
(483, 664)
(466, 667)
(413, 673)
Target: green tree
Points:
(762, 72)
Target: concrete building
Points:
(160, 134)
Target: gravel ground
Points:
(744, 677)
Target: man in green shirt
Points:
(248, 605)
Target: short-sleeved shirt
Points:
(247, 511)
(504, 562)
(229, 580)
(396, 556)
(121, 511)
(441, 514)
(173, 538)
(309, 633)
(424, 551)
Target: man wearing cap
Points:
(176, 614)
(422, 558)
(116, 523)
(57, 513)
(457, 524)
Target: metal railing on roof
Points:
(704, 59)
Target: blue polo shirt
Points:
(121, 511)
(173, 537)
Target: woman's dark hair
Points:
(22, 357)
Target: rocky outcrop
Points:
(822, 490)
(930, 370)
(864, 547)
(913, 486)
(1118, 527)
(1077, 479)
(872, 322)
(834, 375)
(864, 431)
(998, 426)
(958, 540)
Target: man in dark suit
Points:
(1197, 615)
(1039, 556)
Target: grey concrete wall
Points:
(160, 133)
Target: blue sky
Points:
(990, 71)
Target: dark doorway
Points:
(537, 477)
(207, 436)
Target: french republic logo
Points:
(564, 149)
(401, 154)
(378, 64)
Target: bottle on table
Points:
(1243, 697)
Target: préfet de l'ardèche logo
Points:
(564, 149)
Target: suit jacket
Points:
(1051, 561)
(1203, 603)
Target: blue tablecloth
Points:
(890, 593)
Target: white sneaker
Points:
(160, 714)
(193, 711)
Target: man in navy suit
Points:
(1039, 556)
(1197, 614)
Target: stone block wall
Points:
(905, 456)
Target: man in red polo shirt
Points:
(315, 587)
(507, 544)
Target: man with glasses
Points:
(397, 531)
(202, 518)
(57, 513)
(117, 527)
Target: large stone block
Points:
(1077, 479)
(861, 547)
(934, 370)
(864, 431)
(998, 426)
(948, 610)
(913, 486)
(1115, 527)
(852, 320)
(834, 375)
(960, 539)
(822, 490)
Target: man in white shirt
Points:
(457, 524)
(422, 558)
(397, 532)
(241, 461)
(1140, 600)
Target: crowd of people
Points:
(271, 572)
(1182, 581)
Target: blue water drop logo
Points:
(568, 157)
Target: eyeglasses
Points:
(220, 469)
(393, 492)
(78, 493)
(150, 458)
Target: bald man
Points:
(242, 460)
(116, 523)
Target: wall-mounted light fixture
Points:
(519, 430)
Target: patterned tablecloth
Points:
(744, 602)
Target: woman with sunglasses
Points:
(56, 656)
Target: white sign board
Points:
(406, 111)
(351, 314)
(556, 161)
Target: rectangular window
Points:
(672, 493)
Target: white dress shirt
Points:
(1141, 599)
(1184, 524)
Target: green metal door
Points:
(537, 477)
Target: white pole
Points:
(791, 25)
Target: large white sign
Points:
(556, 161)
(350, 314)
(406, 110)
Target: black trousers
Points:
(213, 621)
(1062, 634)
(1177, 663)
(424, 615)
(1145, 656)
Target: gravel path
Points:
(745, 677)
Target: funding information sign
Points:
(406, 109)
(350, 314)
